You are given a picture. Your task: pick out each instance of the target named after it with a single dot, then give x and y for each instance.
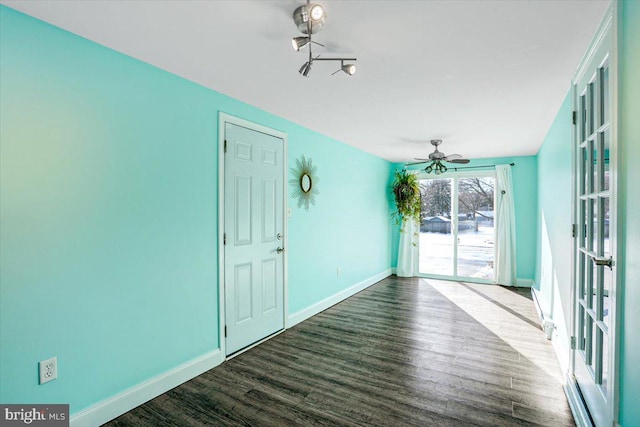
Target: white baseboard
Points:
(524, 283)
(580, 414)
(394, 270)
(538, 306)
(318, 307)
(117, 405)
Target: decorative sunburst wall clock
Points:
(305, 182)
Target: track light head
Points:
(350, 69)
(316, 12)
(309, 18)
(299, 42)
(306, 67)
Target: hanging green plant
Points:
(406, 190)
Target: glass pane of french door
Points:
(457, 231)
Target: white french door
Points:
(594, 287)
(457, 227)
(254, 170)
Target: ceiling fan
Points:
(437, 158)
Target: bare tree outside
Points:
(475, 198)
(436, 197)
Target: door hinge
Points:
(224, 239)
(574, 230)
(225, 145)
(225, 331)
(573, 343)
(574, 117)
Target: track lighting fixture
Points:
(350, 69)
(299, 42)
(304, 70)
(310, 19)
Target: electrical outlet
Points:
(48, 370)
(338, 271)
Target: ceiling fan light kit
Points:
(437, 158)
(310, 19)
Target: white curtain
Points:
(506, 228)
(408, 250)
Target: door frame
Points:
(455, 176)
(608, 23)
(223, 119)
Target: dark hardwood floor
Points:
(402, 352)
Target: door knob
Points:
(603, 261)
(280, 250)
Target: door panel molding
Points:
(223, 119)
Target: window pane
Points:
(604, 93)
(476, 230)
(605, 362)
(597, 353)
(595, 166)
(605, 139)
(582, 235)
(608, 273)
(583, 118)
(436, 237)
(598, 163)
(582, 328)
(584, 173)
(592, 222)
(588, 340)
(582, 289)
(585, 332)
(590, 108)
(594, 345)
(588, 281)
(594, 284)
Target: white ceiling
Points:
(488, 77)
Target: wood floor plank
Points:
(405, 351)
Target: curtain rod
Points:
(483, 166)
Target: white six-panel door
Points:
(253, 236)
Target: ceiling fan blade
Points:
(452, 157)
(461, 161)
(417, 163)
(424, 160)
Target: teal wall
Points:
(108, 216)
(629, 102)
(350, 226)
(554, 240)
(524, 188)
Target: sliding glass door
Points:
(457, 233)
